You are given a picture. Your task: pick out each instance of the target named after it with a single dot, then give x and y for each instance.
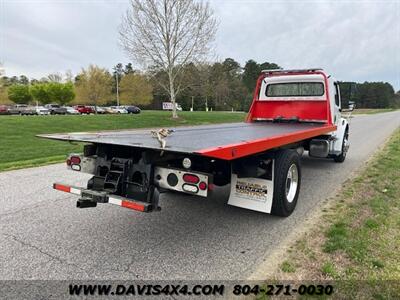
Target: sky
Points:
(352, 40)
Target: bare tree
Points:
(55, 77)
(1, 69)
(167, 34)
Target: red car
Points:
(82, 109)
(3, 110)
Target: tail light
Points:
(75, 160)
(74, 163)
(191, 178)
(203, 186)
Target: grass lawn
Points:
(357, 241)
(20, 148)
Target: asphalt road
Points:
(43, 235)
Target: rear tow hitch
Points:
(85, 203)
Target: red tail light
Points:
(190, 178)
(75, 160)
(203, 186)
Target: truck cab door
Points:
(337, 105)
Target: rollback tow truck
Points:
(292, 111)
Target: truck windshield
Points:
(295, 89)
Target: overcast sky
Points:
(353, 40)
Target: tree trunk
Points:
(172, 95)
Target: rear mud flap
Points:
(252, 193)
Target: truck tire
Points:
(342, 156)
(287, 179)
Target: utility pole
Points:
(116, 74)
(206, 104)
(191, 109)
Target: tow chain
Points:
(161, 134)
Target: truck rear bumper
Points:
(90, 198)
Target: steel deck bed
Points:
(223, 141)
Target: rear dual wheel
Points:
(287, 179)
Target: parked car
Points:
(41, 111)
(109, 110)
(98, 109)
(56, 109)
(132, 109)
(116, 110)
(22, 109)
(3, 110)
(83, 109)
(71, 110)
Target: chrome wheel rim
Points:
(292, 181)
(345, 144)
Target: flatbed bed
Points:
(224, 141)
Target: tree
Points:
(4, 96)
(3, 92)
(69, 76)
(168, 34)
(135, 89)
(40, 93)
(23, 79)
(61, 93)
(268, 66)
(129, 69)
(53, 92)
(231, 67)
(252, 70)
(3, 88)
(368, 94)
(19, 93)
(118, 71)
(93, 86)
(250, 74)
(55, 77)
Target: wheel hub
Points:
(292, 181)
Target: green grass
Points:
(329, 269)
(287, 267)
(337, 237)
(20, 148)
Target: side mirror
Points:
(348, 92)
(351, 107)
